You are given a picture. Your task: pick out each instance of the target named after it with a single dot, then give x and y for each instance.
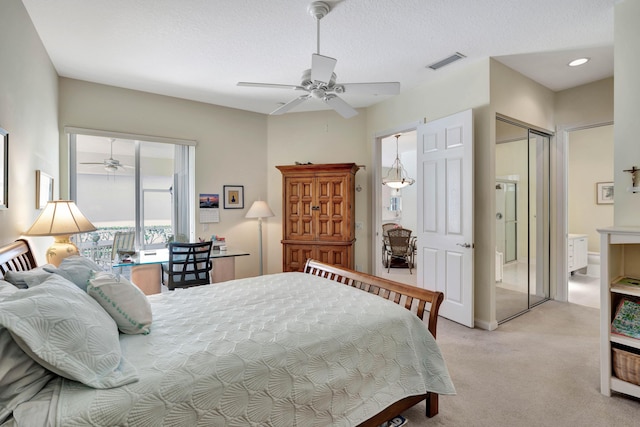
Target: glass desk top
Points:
(160, 256)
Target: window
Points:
(131, 183)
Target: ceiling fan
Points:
(319, 81)
(110, 164)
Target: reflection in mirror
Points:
(521, 215)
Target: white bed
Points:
(288, 349)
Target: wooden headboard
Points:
(16, 256)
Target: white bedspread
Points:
(286, 349)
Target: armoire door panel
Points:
(335, 255)
(298, 208)
(297, 255)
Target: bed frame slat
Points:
(16, 256)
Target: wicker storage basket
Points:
(626, 366)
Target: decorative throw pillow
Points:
(68, 332)
(123, 300)
(76, 269)
(28, 278)
(21, 377)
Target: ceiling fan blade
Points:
(92, 163)
(382, 88)
(270, 85)
(322, 68)
(341, 107)
(289, 105)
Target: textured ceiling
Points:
(200, 49)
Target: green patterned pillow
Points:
(123, 300)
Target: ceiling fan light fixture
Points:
(319, 81)
(397, 176)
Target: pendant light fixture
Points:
(397, 175)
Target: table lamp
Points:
(260, 209)
(60, 219)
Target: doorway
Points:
(522, 218)
(589, 153)
(397, 206)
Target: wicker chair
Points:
(385, 240)
(398, 246)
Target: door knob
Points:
(464, 245)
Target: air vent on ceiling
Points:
(446, 61)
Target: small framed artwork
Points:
(4, 169)
(44, 189)
(233, 196)
(604, 193)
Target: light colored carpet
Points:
(539, 369)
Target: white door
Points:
(445, 213)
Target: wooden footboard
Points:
(413, 298)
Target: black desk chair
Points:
(189, 265)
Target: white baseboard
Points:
(487, 326)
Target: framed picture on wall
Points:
(44, 189)
(4, 169)
(233, 196)
(604, 193)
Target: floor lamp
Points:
(260, 209)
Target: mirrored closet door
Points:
(522, 218)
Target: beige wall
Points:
(231, 150)
(585, 105)
(28, 111)
(590, 160)
(316, 137)
(627, 106)
(517, 97)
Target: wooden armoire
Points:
(318, 214)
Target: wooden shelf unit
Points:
(619, 257)
(318, 214)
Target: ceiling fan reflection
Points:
(110, 164)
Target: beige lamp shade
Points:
(259, 209)
(60, 218)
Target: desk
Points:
(146, 272)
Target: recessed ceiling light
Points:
(578, 61)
